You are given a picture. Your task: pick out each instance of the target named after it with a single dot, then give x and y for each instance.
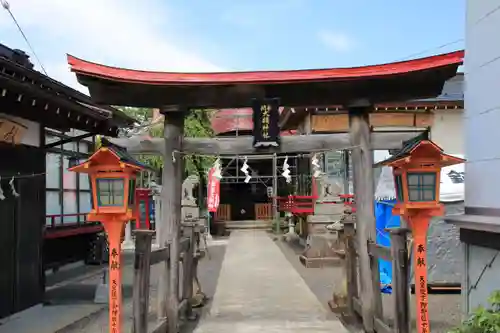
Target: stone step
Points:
(261, 225)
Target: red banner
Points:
(213, 195)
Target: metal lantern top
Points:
(417, 169)
(112, 174)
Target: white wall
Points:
(448, 130)
(482, 134)
(482, 103)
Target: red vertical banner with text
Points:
(419, 225)
(213, 191)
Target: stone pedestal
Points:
(291, 235)
(128, 243)
(322, 242)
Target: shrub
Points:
(483, 320)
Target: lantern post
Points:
(417, 170)
(112, 177)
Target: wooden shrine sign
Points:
(11, 131)
(266, 130)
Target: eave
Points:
(450, 98)
(29, 94)
(419, 78)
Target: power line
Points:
(6, 6)
(431, 49)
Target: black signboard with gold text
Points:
(266, 132)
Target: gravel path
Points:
(208, 274)
(444, 310)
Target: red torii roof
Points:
(88, 68)
(419, 78)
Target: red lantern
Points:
(112, 174)
(417, 169)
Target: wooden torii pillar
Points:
(364, 191)
(360, 140)
(168, 288)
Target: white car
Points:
(452, 183)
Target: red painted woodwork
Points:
(67, 229)
(261, 77)
(142, 195)
(299, 204)
(263, 211)
(73, 231)
(296, 204)
(349, 201)
(223, 213)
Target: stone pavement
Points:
(258, 290)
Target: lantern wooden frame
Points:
(106, 163)
(420, 157)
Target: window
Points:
(421, 186)
(68, 196)
(399, 187)
(110, 191)
(334, 164)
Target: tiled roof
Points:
(124, 155)
(453, 90)
(408, 146)
(18, 76)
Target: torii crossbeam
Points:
(242, 145)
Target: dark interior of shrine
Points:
(242, 198)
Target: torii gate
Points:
(355, 88)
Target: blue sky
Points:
(203, 35)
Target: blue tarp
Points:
(385, 219)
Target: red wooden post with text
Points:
(417, 171)
(112, 176)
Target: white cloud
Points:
(124, 33)
(336, 41)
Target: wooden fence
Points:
(145, 258)
(398, 255)
(223, 213)
(263, 211)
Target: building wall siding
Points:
(483, 270)
(482, 104)
(481, 122)
(448, 130)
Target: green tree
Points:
(196, 124)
